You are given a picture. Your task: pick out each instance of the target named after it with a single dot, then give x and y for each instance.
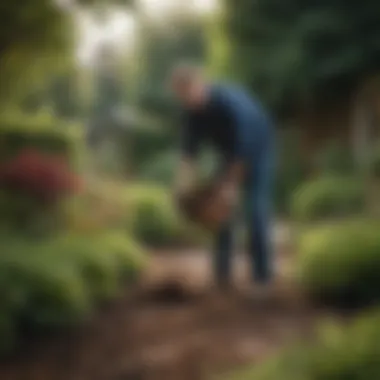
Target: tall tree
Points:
(33, 37)
(37, 38)
(303, 52)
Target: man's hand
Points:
(229, 193)
(234, 174)
(226, 197)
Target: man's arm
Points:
(189, 148)
(236, 155)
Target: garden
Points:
(102, 277)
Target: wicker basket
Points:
(205, 207)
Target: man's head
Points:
(189, 85)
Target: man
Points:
(225, 117)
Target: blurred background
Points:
(98, 270)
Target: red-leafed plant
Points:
(44, 178)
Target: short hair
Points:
(185, 72)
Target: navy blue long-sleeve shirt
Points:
(233, 123)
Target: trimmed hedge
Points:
(328, 197)
(12, 141)
(59, 281)
(45, 134)
(341, 262)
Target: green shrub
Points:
(97, 266)
(153, 218)
(162, 167)
(339, 353)
(47, 135)
(127, 253)
(148, 143)
(105, 262)
(57, 293)
(341, 262)
(328, 197)
(43, 289)
(58, 281)
(12, 141)
(32, 187)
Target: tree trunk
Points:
(362, 127)
(360, 132)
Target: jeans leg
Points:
(260, 245)
(223, 254)
(259, 213)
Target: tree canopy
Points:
(299, 53)
(34, 36)
(37, 39)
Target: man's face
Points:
(191, 93)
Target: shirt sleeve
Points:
(190, 138)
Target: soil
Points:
(172, 326)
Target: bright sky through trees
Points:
(121, 26)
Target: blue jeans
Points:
(257, 201)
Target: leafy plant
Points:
(328, 197)
(43, 178)
(341, 262)
(59, 281)
(339, 353)
(154, 220)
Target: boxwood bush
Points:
(59, 281)
(339, 353)
(341, 262)
(328, 197)
(42, 132)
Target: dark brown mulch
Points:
(167, 330)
